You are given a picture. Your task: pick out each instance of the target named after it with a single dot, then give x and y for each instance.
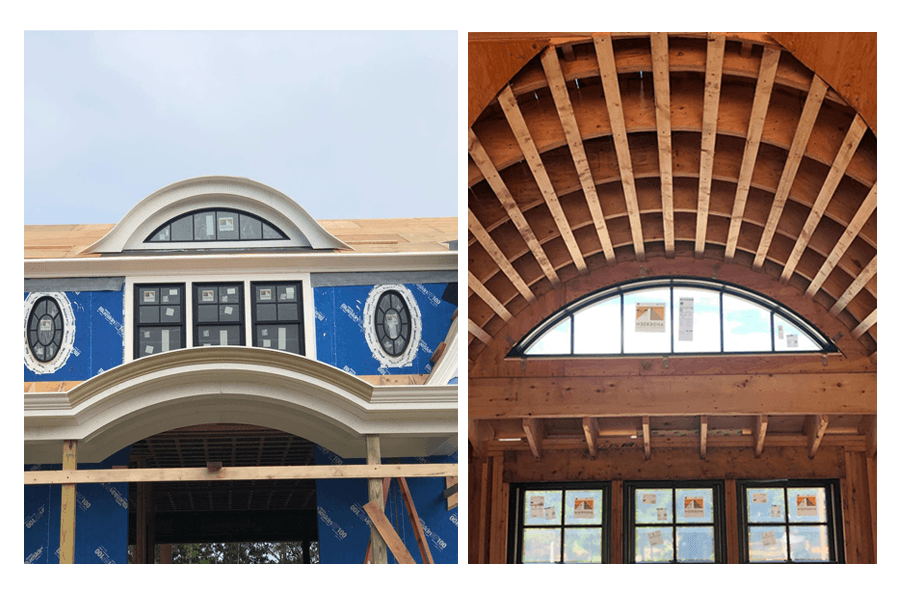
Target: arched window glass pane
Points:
(789, 338)
(556, 341)
(162, 235)
(182, 229)
(746, 326)
(211, 225)
(598, 329)
(697, 327)
(270, 234)
(648, 318)
(251, 229)
(226, 225)
(205, 226)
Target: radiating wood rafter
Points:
(714, 55)
(767, 70)
(610, 79)
(496, 254)
(533, 158)
(479, 333)
(795, 155)
(865, 324)
(483, 161)
(862, 215)
(560, 93)
(861, 280)
(848, 148)
(659, 44)
(485, 294)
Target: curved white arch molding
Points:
(231, 384)
(216, 191)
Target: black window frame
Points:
(197, 324)
(254, 321)
(217, 210)
(834, 519)
(34, 335)
(517, 525)
(718, 524)
(138, 289)
(379, 325)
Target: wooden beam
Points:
(534, 431)
(767, 69)
(416, 525)
(382, 527)
(485, 294)
(714, 55)
(67, 506)
(869, 428)
(862, 215)
(659, 48)
(861, 280)
(760, 424)
(836, 173)
(483, 161)
(814, 428)
(241, 473)
(645, 425)
(731, 525)
(865, 324)
(590, 434)
(609, 77)
(376, 499)
(704, 432)
(557, 82)
(798, 148)
(499, 512)
(453, 500)
(386, 489)
(480, 333)
(672, 395)
(493, 250)
(520, 130)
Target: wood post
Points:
(376, 495)
(67, 506)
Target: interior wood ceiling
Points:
(637, 147)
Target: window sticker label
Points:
(226, 223)
(282, 338)
(793, 340)
(231, 291)
(775, 511)
(165, 299)
(165, 340)
(686, 320)
(806, 506)
(768, 538)
(46, 324)
(149, 295)
(173, 292)
(693, 507)
(208, 296)
(170, 312)
(655, 537)
(648, 498)
(781, 332)
(650, 317)
(146, 334)
(148, 350)
(662, 514)
(550, 512)
(265, 293)
(223, 337)
(228, 310)
(289, 293)
(536, 507)
(267, 343)
(584, 508)
(760, 498)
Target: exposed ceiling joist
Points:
(485, 294)
(659, 48)
(496, 254)
(714, 55)
(861, 280)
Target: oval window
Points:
(392, 323)
(45, 329)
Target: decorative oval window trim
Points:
(405, 358)
(67, 343)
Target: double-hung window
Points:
(159, 318)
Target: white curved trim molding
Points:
(253, 386)
(36, 365)
(405, 358)
(218, 191)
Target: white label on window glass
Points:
(223, 337)
(148, 350)
(793, 340)
(146, 334)
(693, 507)
(226, 223)
(662, 514)
(39, 351)
(170, 312)
(686, 320)
(149, 295)
(289, 293)
(206, 333)
(760, 498)
(655, 537)
(282, 338)
(208, 296)
(768, 538)
(165, 299)
(265, 294)
(46, 325)
(807, 507)
(232, 291)
(173, 292)
(550, 512)
(210, 232)
(650, 317)
(775, 512)
(228, 310)
(584, 508)
(536, 507)
(165, 340)
(781, 332)
(648, 498)
(265, 332)
(267, 343)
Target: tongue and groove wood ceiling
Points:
(639, 147)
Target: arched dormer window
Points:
(216, 225)
(672, 315)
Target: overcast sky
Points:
(348, 124)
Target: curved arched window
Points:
(672, 315)
(45, 329)
(216, 225)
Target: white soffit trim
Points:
(447, 366)
(215, 191)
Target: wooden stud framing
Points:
(534, 431)
(731, 525)
(67, 506)
(760, 424)
(388, 536)
(493, 250)
(453, 500)
(533, 158)
(714, 55)
(483, 161)
(485, 294)
(376, 500)
(589, 424)
(557, 82)
(862, 215)
(659, 48)
(767, 69)
(414, 519)
(609, 76)
(499, 510)
(815, 429)
(861, 280)
(838, 167)
(798, 147)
